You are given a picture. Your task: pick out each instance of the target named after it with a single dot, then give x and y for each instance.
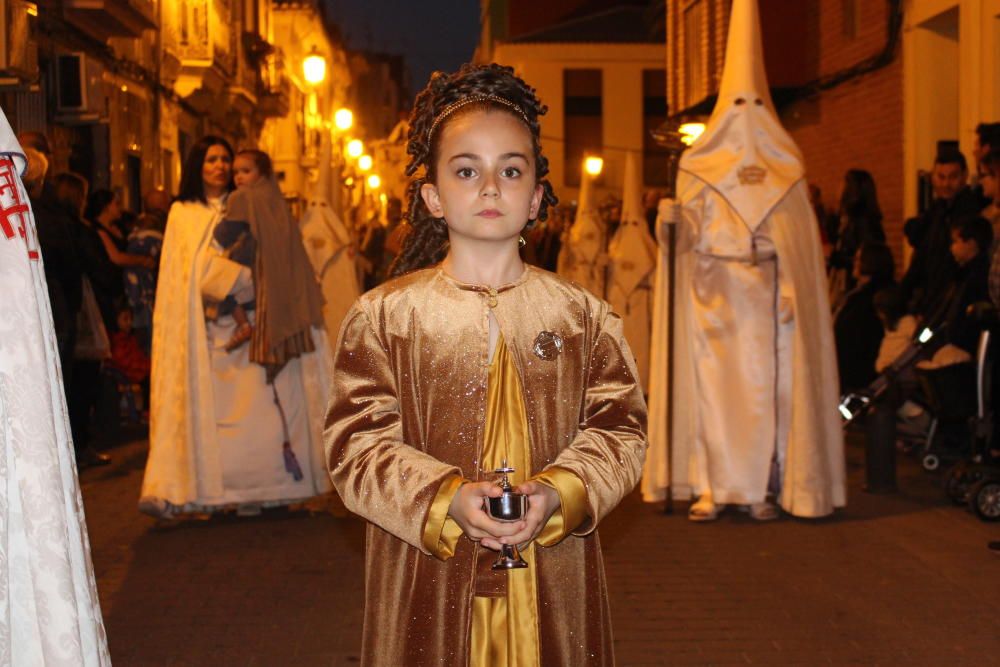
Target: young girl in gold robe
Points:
(469, 359)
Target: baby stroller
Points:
(947, 394)
(855, 404)
(950, 396)
(975, 480)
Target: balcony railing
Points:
(276, 87)
(112, 18)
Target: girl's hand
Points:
(467, 510)
(543, 501)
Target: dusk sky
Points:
(431, 34)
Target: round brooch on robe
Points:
(547, 345)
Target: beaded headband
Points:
(454, 106)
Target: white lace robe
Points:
(49, 610)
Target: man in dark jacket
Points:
(932, 270)
(56, 239)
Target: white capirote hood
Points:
(744, 153)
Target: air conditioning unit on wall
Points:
(80, 96)
(18, 51)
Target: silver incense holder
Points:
(509, 507)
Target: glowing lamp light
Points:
(593, 165)
(374, 182)
(32, 9)
(365, 162)
(349, 181)
(343, 119)
(355, 148)
(314, 68)
(690, 132)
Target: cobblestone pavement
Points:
(903, 579)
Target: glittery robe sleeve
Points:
(609, 449)
(378, 476)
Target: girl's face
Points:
(964, 251)
(988, 179)
(486, 188)
(245, 171)
(216, 169)
(113, 210)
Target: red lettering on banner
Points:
(13, 211)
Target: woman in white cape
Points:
(217, 433)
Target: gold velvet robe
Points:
(407, 415)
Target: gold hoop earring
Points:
(521, 242)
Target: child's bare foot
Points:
(241, 336)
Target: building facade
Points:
(123, 88)
(600, 69)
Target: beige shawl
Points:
(289, 301)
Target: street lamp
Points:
(314, 67)
(690, 132)
(593, 165)
(343, 119)
(365, 162)
(355, 148)
(374, 182)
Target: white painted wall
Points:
(951, 71)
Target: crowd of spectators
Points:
(100, 265)
(953, 276)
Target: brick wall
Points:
(859, 124)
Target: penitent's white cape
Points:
(49, 611)
(582, 257)
(631, 269)
(328, 245)
(215, 432)
(755, 369)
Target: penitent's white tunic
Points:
(328, 245)
(215, 432)
(741, 341)
(49, 610)
(632, 254)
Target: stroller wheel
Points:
(957, 483)
(984, 499)
(931, 462)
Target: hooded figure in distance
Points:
(632, 255)
(755, 376)
(583, 258)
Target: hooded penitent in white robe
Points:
(755, 370)
(328, 244)
(632, 264)
(215, 431)
(49, 611)
(583, 258)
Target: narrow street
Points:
(890, 580)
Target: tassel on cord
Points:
(291, 463)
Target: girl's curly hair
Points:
(427, 241)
